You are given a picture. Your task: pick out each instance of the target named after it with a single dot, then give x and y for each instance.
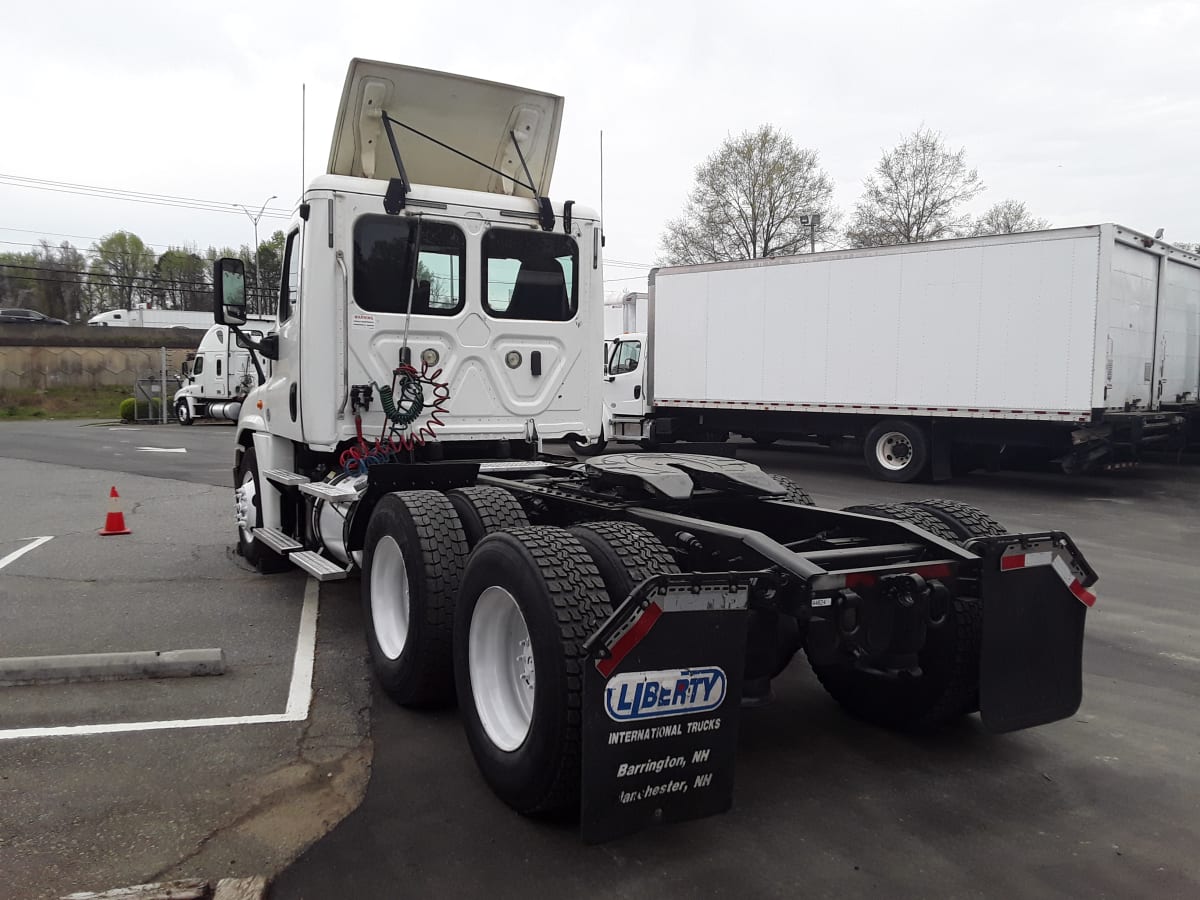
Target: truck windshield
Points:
(382, 273)
(530, 275)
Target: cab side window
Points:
(198, 366)
(289, 282)
(626, 357)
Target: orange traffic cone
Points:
(115, 523)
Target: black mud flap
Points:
(662, 694)
(1035, 601)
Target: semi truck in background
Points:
(220, 373)
(1079, 345)
(586, 617)
(141, 317)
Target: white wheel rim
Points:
(500, 658)
(389, 597)
(244, 507)
(894, 451)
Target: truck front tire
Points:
(896, 450)
(183, 412)
(595, 448)
(413, 559)
(248, 498)
(530, 597)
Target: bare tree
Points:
(1007, 217)
(748, 201)
(915, 194)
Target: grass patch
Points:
(62, 403)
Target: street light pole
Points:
(257, 258)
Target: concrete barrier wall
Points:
(88, 357)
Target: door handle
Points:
(292, 401)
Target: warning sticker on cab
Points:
(363, 320)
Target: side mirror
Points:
(229, 292)
(269, 346)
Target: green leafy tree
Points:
(916, 193)
(748, 201)
(122, 270)
(182, 279)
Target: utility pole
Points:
(257, 262)
(812, 221)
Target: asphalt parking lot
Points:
(222, 780)
(1101, 805)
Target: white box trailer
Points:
(141, 317)
(1079, 343)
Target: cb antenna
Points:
(601, 187)
(303, 147)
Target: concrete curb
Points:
(253, 888)
(22, 670)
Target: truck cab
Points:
(456, 265)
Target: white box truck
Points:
(1076, 344)
(586, 617)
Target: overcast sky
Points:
(1087, 111)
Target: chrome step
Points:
(318, 566)
(277, 540)
(331, 493)
(284, 477)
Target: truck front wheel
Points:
(579, 448)
(183, 412)
(896, 450)
(413, 558)
(248, 509)
(530, 597)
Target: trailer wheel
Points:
(485, 508)
(896, 450)
(248, 507)
(763, 439)
(413, 558)
(530, 597)
(914, 515)
(795, 493)
(595, 448)
(967, 521)
(626, 554)
(183, 413)
(945, 690)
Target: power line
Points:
(66, 187)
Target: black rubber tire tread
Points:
(625, 553)
(922, 518)
(263, 558)
(968, 520)
(542, 775)
(918, 705)
(485, 508)
(426, 526)
(795, 493)
(595, 448)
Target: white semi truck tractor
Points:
(439, 315)
(217, 377)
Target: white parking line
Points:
(299, 692)
(17, 554)
(163, 449)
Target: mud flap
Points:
(662, 697)
(1035, 601)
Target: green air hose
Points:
(412, 400)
